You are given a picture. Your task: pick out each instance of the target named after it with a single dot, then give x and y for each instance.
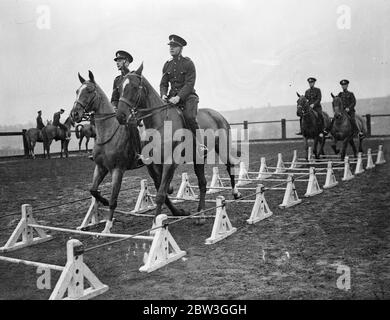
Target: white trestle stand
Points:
(263, 172)
(380, 158)
(23, 236)
(185, 192)
(75, 277)
(216, 182)
(145, 200)
(370, 161)
(294, 160)
(260, 209)
(313, 188)
(359, 165)
(347, 170)
(330, 180)
(222, 227)
(164, 248)
(290, 196)
(243, 176)
(280, 167)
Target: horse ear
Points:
(298, 95)
(332, 95)
(139, 70)
(91, 77)
(82, 80)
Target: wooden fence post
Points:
(283, 123)
(25, 145)
(246, 132)
(368, 122)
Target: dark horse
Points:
(140, 101)
(342, 128)
(50, 133)
(33, 136)
(85, 130)
(311, 128)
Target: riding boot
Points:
(198, 143)
(355, 128)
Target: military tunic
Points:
(56, 119)
(180, 73)
(349, 101)
(40, 124)
(116, 88)
(314, 96)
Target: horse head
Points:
(337, 105)
(133, 93)
(86, 96)
(303, 107)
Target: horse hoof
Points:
(237, 196)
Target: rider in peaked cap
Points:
(176, 40)
(123, 60)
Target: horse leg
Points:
(202, 183)
(86, 144)
(315, 143)
(98, 176)
(167, 172)
(48, 149)
(116, 182)
(352, 143)
(306, 142)
(344, 148)
(80, 141)
(66, 148)
(334, 146)
(62, 147)
(360, 144)
(323, 140)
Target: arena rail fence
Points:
(245, 125)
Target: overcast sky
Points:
(247, 53)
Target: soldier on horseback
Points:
(179, 72)
(40, 124)
(123, 60)
(57, 123)
(349, 103)
(313, 94)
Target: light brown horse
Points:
(85, 130)
(50, 133)
(33, 136)
(140, 101)
(113, 150)
(342, 128)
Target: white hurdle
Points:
(330, 180)
(359, 165)
(347, 171)
(75, 275)
(216, 181)
(222, 227)
(290, 196)
(260, 210)
(380, 158)
(185, 192)
(370, 161)
(163, 246)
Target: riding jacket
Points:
(40, 124)
(115, 90)
(348, 99)
(314, 96)
(180, 73)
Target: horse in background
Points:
(342, 129)
(50, 133)
(311, 126)
(33, 135)
(85, 130)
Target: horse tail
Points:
(77, 130)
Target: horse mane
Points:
(153, 97)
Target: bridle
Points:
(134, 108)
(98, 116)
(304, 108)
